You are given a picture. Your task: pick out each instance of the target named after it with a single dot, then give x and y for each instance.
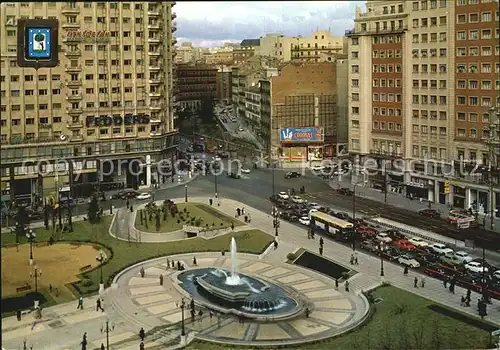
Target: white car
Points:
(341, 172)
(283, 195)
(418, 242)
(304, 221)
(245, 171)
(408, 261)
(383, 237)
(241, 129)
(441, 249)
(316, 168)
(298, 200)
(314, 205)
(464, 257)
(143, 196)
(475, 266)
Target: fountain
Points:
(238, 293)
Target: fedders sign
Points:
(117, 120)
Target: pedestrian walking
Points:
(128, 203)
(142, 334)
(415, 282)
(308, 312)
(321, 241)
(98, 303)
(463, 299)
(320, 250)
(445, 281)
(405, 271)
(210, 201)
(103, 347)
(142, 272)
(243, 210)
(356, 260)
(275, 244)
(422, 282)
(232, 226)
(336, 284)
(168, 263)
(131, 208)
(210, 314)
(141, 346)
(80, 303)
(346, 286)
(352, 259)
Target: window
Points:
(461, 51)
(355, 124)
(424, 129)
(473, 133)
(461, 132)
(461, 35)
(461, 100)
(461, 19)
(473, 101)
(486, 51)
(486, 85)
(486, 17)
(473, 34)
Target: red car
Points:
(404, 244)
(430, 213)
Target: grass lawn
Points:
(401, 321)
(202, 214)
(125, 254)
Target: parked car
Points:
(464, 257)
(283, 195)
(314, 205)
(383, 237)
(476, 267)
(408, 261)
(345, 191)
(404, 244)
(289, 216)
(292, 174)
(430, 213)
(304, 220)
(342, 215)
(451, 259)
(418, 242)
(245, 171)
(298, 200)
(440, 249)
(143, 196)
(369, 245)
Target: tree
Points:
(93, 212)
(206, 111)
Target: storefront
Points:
(301, 144)
(419, 188)
(478, 200)
(459, 195)
(395, 183)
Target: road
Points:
(236, 129)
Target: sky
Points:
(210, 24)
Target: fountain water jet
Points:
(234, 279)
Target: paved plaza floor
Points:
(134, 302)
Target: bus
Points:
(331, 225)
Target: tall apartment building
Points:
(423, 77)
(245, 51)
(224, 81)
(109, 99)
(320, 47)
(195, 83)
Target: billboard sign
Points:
(302, 134)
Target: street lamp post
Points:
(106, 329)
(186, 193)
(35, 275)
(31, 237)
(183, 328)
(381, 249)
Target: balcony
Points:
(154, 40)
(155, 94)
(155, 107)
(155, 121)
(74, 111)
(75, 125)
(154, 53)
(155, 81)
(76, 97)
(74, 83)
(385, 154)
(70, 25)
(155, 66)
(174, 15)
(68, 10)
(71, 69)
(154, 26)
(76, 138)
(371, 31)
(73, 53)
(153, 13)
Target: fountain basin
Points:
(252, 297)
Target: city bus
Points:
(331, 225)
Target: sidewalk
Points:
(398, 200)
(292, 237)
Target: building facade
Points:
(245, 51)
(108, 101)
(423, 77)
(224, 81)
(303, 106)
(195, 83)
(320, 47)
